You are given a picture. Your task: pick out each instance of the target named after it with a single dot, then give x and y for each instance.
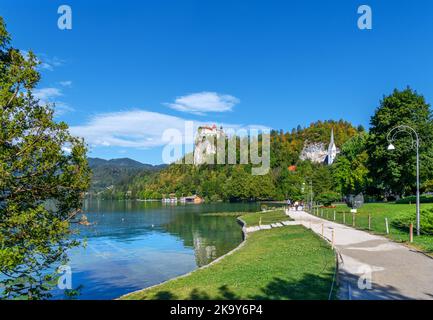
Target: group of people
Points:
(297, 205)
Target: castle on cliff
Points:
(205, 142)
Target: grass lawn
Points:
(378, 213)
(282, 263)
(267, 217)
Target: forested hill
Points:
(235, 182)
(117, 174)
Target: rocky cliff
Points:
(315, 152)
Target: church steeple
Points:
(332, 149)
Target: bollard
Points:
(369, 221)
(386, 225)
(321, 212)
(334, 215)
(353, 220)
(323, 231)
(344, 217)
(411, 233)
(260, 222)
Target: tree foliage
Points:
(328, 197)
(394, 173)
(41, 185)
(235, 182)
(349, 171)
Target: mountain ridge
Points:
(118, 172)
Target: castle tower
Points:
(332, 150)
(206, 143)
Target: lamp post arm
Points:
(408, 129)
(402, 128)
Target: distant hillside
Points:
(116, 173)
(235, 182)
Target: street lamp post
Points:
(410, 130)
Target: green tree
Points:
(290, 185)
(322, 179)
(328, 197)
(41, 185)
(350, 171)
(393, 173)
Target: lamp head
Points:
(391, 147)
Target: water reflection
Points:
(132, 245)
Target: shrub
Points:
(412, 199)
(404, 220)
(328, 197)
(215, 198)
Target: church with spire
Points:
(332, 150)
(318, 153)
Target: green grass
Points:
(378, 213)
(282, 263)
(267, 217)
(223, 214)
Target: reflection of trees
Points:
(210, 236)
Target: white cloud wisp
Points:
(204, 102)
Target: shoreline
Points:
(244, 239)
(268, 267)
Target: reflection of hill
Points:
(209, 236)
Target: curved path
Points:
(373, 267)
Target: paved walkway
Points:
(272, 225)
(397, 272)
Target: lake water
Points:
(132, 245)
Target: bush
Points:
(327, 198)
(404, 220)
(412, 199)
(215, 198)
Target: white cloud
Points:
(134, 129)
(50, 63)
(137, 129)
(50, 96)
(47, 94)
(66, 83)
(62, 108)
(204, 102)
(45, 62)
(67, 149)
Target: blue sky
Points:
(129, 69)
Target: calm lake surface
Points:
(132, 245)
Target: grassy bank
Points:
(378, 212)
(282, 263)
(255, 218)
(266, 217)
